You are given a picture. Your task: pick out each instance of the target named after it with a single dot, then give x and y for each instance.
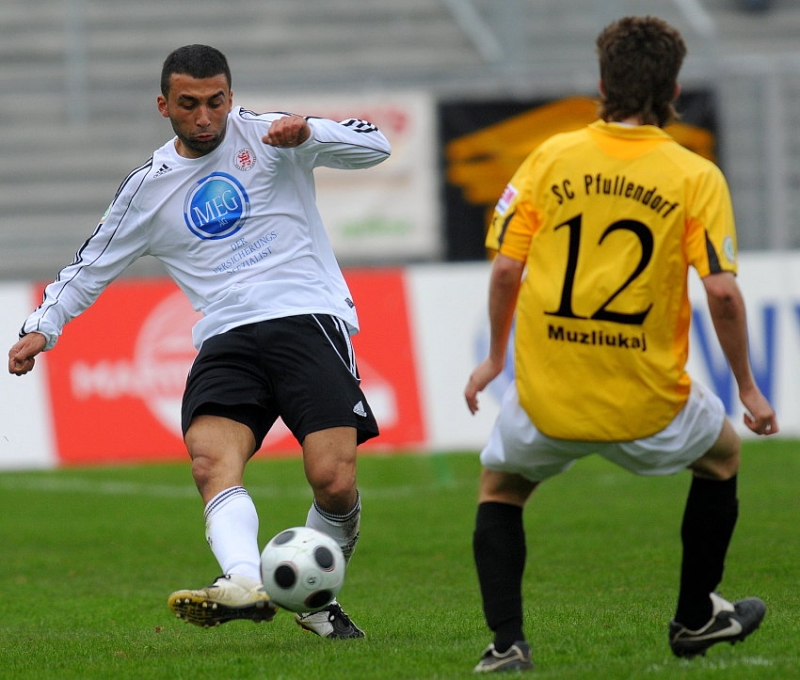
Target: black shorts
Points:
(301, 368)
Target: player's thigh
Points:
(721, 461)
(219, 449)
(215, 436)
(318, 387)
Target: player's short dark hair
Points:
(197, 61)
(640, 58)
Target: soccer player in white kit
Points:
(228, 207)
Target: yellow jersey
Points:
(608, 220)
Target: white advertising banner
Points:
(388, 213)
(449, 315)
(26, 439)
(429, 328)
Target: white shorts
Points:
(516, 446)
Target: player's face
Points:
(198, 110)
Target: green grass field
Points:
(90, 555)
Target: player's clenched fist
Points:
(288, 131)
(21, 356)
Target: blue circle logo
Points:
(216, 207)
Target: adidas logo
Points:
(359, 409)
(163, 170)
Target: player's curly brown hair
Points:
(640, 58)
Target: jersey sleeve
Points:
(515, 218)
(116, 242)
(349, 144)
(711, 226)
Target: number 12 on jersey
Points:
(603, 313)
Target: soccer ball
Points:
(302, 569)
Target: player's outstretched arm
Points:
(21, 357)
(503, 289)
(726, 305)
(350, 144)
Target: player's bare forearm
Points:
(726, 306)
(503, 291)
(727, 309)
(22, 356)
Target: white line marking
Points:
(101, 488)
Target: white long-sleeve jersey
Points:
(238, 229)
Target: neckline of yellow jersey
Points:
(628, 131)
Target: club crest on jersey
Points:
(729, 249)
(216, 207)
(245, 160)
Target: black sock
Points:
(499, 548)
(708, 522)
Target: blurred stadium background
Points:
(464, 89)
(79, 80)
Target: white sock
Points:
(232, 532)
(343, 528)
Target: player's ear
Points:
(677, 92)
(161, 102)
(601, 88)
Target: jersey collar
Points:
(629, 132)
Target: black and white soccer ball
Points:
(302, 569)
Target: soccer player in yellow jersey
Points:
(604, 223)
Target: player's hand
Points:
(21, 355)
(287, 132)
(483, 374)
(759, 416)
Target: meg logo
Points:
(216, 207)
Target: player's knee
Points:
(718, 466)
(716, 471)
(204, 469)
(721, 461)
(502, 487)
(330, 467)
(210, 462)
(334, 490)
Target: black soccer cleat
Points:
(730, 622)
(332, 623)
(515, 658)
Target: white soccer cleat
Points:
(230, 597)
(331, 623)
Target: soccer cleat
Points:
(332, 623)
(730, 622)
(230, 597)
(516, 658)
